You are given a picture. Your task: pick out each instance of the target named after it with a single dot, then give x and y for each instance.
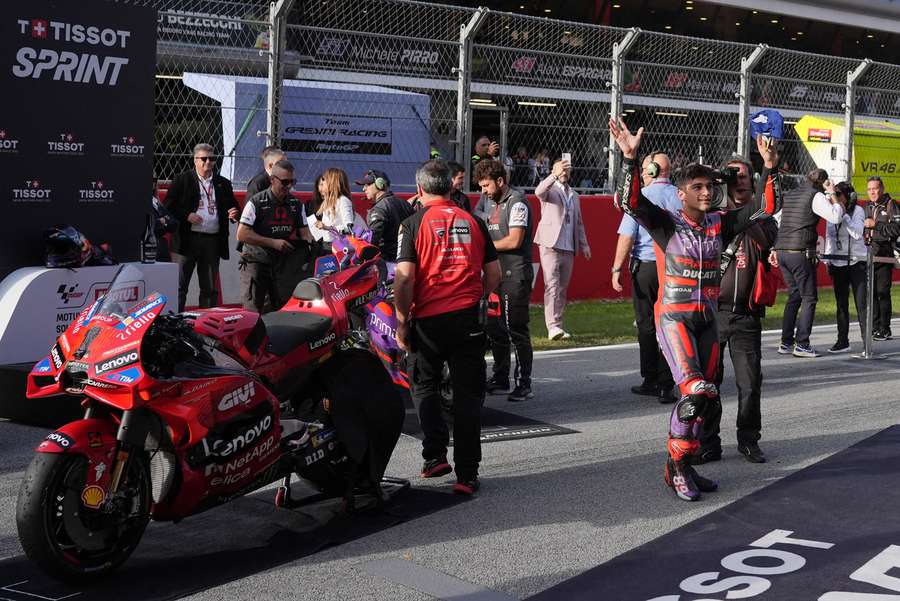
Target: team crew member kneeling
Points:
(272, 224)
(688, 246)
(438, 292)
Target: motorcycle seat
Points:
(289, 329)
(308, 290)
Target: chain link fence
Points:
(384, 84)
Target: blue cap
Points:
(767, 122)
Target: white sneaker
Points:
(557, 334)
(565, 335)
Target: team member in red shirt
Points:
(446, 265)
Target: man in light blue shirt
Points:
(635, 241)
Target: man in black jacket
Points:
(262, 180)
(881, 208)
(203, 202)
(387, 213)
(739, 317)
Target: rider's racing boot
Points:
(703, 484)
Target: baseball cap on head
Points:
(767, 122)
(373, 176)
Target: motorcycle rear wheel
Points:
(67, 540)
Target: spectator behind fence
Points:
(262, 180)
(796, 246)
(635, 240)
(521, 169)
(203, 202)
(437, 292)
(560, 236)
(745, 270)
(848, 272)
(510, 224)
(386, 214)
(336, 210)
(883, 209)
(274, 232)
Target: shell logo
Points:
(92, 496)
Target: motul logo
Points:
(241, 396)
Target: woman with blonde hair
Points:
(336, 209)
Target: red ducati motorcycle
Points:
(187, 411)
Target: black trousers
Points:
(845, 279)
(742, 334)
(458, 339)
(512, 326)
(800, 310)
(204, 255)
(644, 292)
(267, 287)
(881, 316)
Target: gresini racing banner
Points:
(76, 124)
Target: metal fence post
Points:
(463, 87)
(747, 65)
(616, 94)
(277, 21)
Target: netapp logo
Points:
(32, 192)
(98, 192)
(8, 144)
(120, 361)
(65, 65)
(65, 145)
(128, 148)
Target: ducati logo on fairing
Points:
(241, 396)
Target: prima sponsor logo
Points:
(322, 341)
(127, 147)
(8, 143)
(65, 65)
(65, 145)
(116, 362)
(97, 191)
(381, 326)
(240, 396)
(32, 191)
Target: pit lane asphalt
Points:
(553, 507)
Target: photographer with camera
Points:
(848, 272)
(796, 246)
(746, 277)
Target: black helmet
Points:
(64, 246)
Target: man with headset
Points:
(386, 214)
(636, 241)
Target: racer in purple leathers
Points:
(688, 246)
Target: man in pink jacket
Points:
(560, 236)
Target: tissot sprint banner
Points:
(76, 124)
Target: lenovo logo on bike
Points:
(35, 62)
(228, 469)
(322, 341)
(8, 143)
(241, 396)
(233, 436)
(32, 191)
(96, 191)
(116, 362)
(56, 356)
(60, 440)
(65, 144)
(127, 148)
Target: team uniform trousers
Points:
(510, 329)
(458, 339)
(742, 334)
(644, 292)
(204, 256)
(690, 343)
(273, 282)
(800, 309)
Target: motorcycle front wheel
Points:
(72, 542)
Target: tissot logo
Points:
(65, 65)
(65, 143)
(96, 191)
(8, 143)
(32, 191)
(126, 147)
